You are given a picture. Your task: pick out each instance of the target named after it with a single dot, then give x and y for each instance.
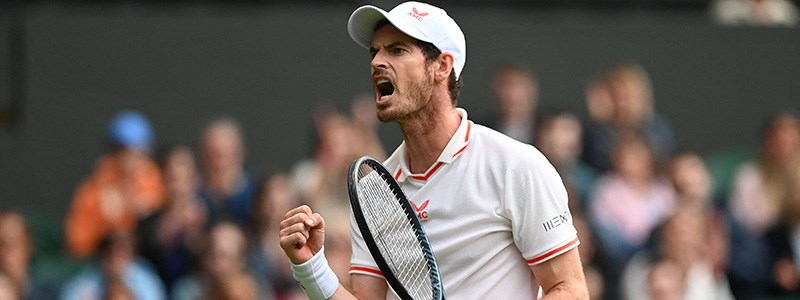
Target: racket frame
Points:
(411, 215)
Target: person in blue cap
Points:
(125, 186)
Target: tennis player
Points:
(494, 209)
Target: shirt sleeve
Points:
(536, 203)
(361, 261)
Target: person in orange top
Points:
(125, 186)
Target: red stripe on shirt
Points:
(365, 269)
(551, 253)
(428, 175)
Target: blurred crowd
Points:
(655, 222)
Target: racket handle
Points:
(316, 277)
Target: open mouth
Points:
(385, 88)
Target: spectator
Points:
(755, 12)
(759, 186)
(678, 256)
(633, 113)
(125, 186)
(630, 200)
(267, 261)
(321, 181)
(365, 128)
(226, 189)
(691, 179)
(172, 238)
(784, 261)
(117, 272)
(223, 274)
(559, 136)
(16, 249)
(515, 92)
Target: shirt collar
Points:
(457, 144)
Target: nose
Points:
(378, 61)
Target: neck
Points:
(427, 135)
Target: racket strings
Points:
(397, 240)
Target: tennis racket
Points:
(392, 232)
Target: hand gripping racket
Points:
(392, 232)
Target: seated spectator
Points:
(559, 136)
(755, 12)
(632, 113)
(515, 92)
(226, 188)
(629, 201)
(321, 180)
(691, 179)
(783, 245)
(172, 238)
(267, 260)
(678, 263)
(759, 186)
(125, 186)
(16, 250)
(117, 271)
(223, 274)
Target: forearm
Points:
(566, 290)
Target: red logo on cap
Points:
(416, 14)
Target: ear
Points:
(444, 66)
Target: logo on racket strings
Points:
(422, 215)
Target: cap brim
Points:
(361, 25)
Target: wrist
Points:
(316, 277)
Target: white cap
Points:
(421, 21)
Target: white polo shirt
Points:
(491, 207)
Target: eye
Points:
(397, 51)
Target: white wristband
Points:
(316, 277)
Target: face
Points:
(690, 176)
(226, 248)
(515, 93)
(222, 149)
(402, 80)
(629, 96)
(560, 140)
(782, 143)
(633, 160)
(180, 173)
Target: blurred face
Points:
(222, 149)
(665, 282)
(336, 140)
(402, 80)
(278, 198)
(684, 236)
(180, 173)
(629, 96)
(226, 250)
(691, 177)
(560, 139)
(119, 255)
(15, 245)
(633, 160)
(782, 143)
(515, 93)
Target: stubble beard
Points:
(410, 103)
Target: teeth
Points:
(380, 81)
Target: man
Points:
(16, 252)
(515, 93)
(496, 211)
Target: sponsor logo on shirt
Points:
(422, 215)
(557, 221)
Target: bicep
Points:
(367, 287)
(561, 275)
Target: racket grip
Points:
(316, 277)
